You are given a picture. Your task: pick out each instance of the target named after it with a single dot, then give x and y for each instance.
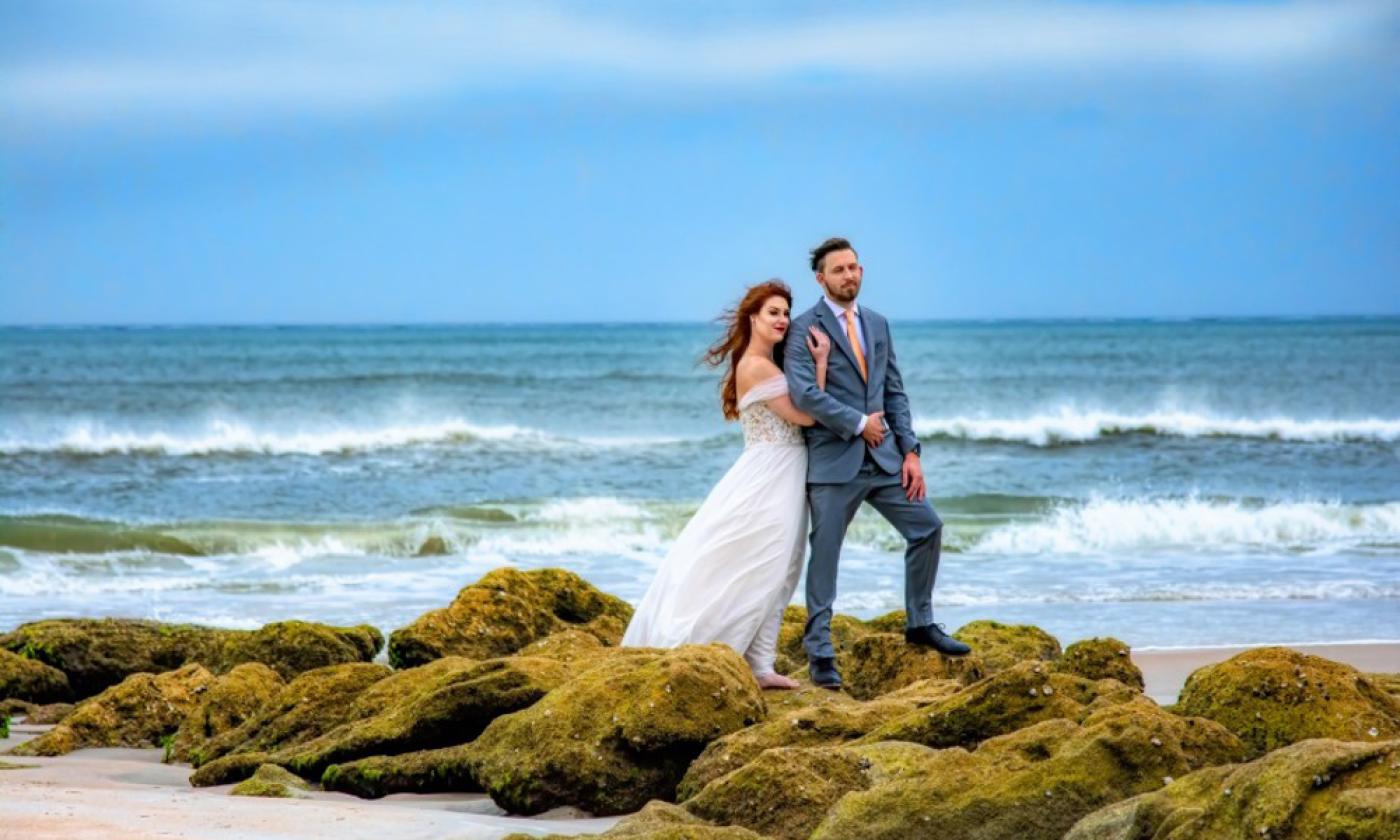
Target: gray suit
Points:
(843, 471)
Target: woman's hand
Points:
(819, 344)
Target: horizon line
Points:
(677, 322)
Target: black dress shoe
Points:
(932, 635)
(824, 673)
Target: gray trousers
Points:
(833, 507)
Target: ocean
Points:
(1179, 483)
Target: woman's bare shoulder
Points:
(752, 370)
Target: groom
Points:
(855, 457)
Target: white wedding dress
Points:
(736, 563)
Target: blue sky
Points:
(179, 161)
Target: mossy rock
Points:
(448, 701)
(1101, 658)
(1033, 783)
(227, 703)
(568, 646)
(443, 770)
(505, 611)
(1272, 697)
(828, 724)
(1000, 646)
(1389, 683)
(658, 820)
(845, 631)
(879, 663)
(1319, 788)
(271, 781)
(139, 711)
(22, 678)
(95, 653)
(1024, 694)
(295, 647)
(618, 734)
(304, 709)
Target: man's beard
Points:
(836, 294)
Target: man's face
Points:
(840, 276)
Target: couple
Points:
(815, 437)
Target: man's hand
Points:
(874, 432)
(912, 478)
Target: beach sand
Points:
(124, 794)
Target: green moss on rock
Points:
(619, 734)
(95, 653)
(658, 820)
(1002, 645)
(1319, 788)
(137, 712)
(270, 781)
(810, 781)
(878, 663)
(304, 709)
(28, 679)
(505, 611)
(295, 647)
(1024, 694)
(227, 703)
(1274, 696)
(1100, 659)
(1033, 783)
(828, 724)
(447, 769)
(448, 701)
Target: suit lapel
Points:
(837, 333)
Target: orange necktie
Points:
(855, 343)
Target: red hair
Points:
(737, 333)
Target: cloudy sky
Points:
(182, 161)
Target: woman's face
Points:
(771, 319)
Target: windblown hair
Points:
(737, 333)
(819, 253)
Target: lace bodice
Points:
(760, 424)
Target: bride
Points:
(736, 563)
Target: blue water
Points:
(1169, 483)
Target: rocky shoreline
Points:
(517, 690)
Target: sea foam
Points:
(1071, 426)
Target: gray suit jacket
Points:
(834, 450)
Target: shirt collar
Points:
(840, 310)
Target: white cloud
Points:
(318, 55)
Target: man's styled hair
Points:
(835, 243)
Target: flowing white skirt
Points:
(736, 563)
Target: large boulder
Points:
(448, 701)
(139, 711)
(620, 733)
(827, 724)
(1315, 788)
(999, 646)
(295, 647)
(96, 653)
(1026, 693)
(304, 709)
(1033, 783)
(226, 704)
(1103, 658)
(442, 770)
(1272, 697)
(22, 678)
(505, 611)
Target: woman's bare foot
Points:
(778, 681)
